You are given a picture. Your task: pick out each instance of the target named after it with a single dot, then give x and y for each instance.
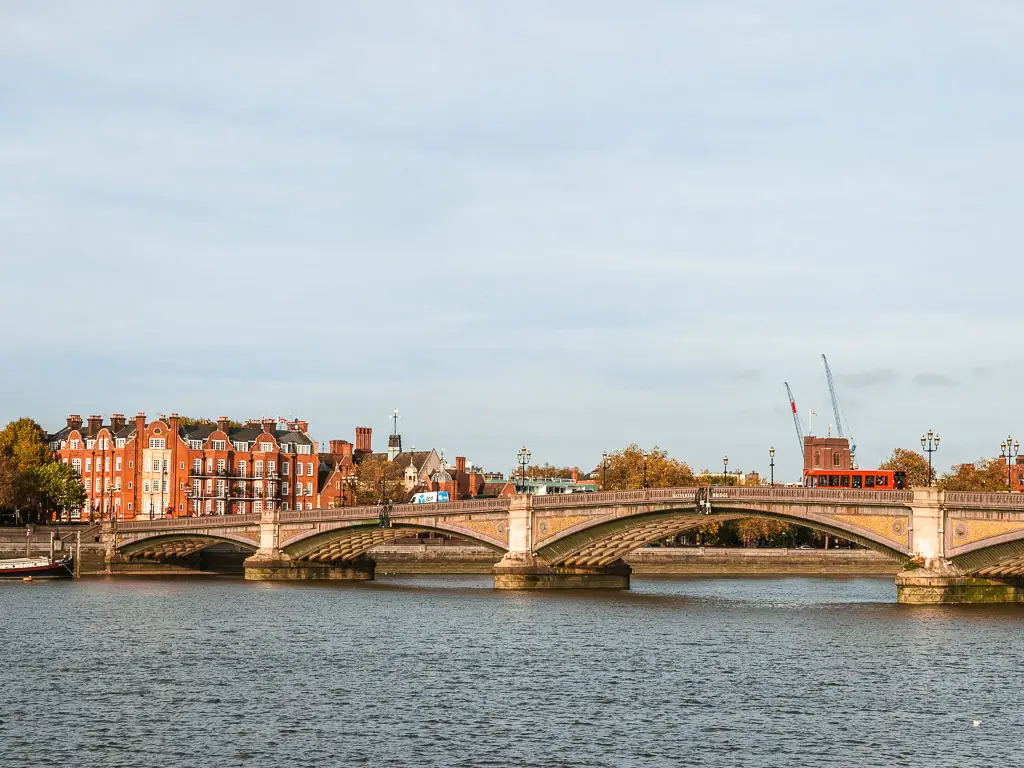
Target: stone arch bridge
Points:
(958, 547)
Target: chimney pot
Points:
(460, 463)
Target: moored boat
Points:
(36, 568)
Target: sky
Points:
(566, 225)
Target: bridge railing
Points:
(397, 510)
(968, 499)
(738, 493)
(200, 521)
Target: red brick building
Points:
(167, 468)
(827, 453)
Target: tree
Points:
(61, 486)
(379, 480)
(982, 475)
(24, 441)
(911, 462)
(754, 528)
(625, 470)
(191, 421)
(548, 470)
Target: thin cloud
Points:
(933, 380)
(874, 377)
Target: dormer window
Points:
(241, 446)
(304, 449)
(120, 442)
(195, 445)
(219, 445)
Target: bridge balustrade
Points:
(1013, 501)
(187, 522)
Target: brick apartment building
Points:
(166, 468)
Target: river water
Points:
(444, 671)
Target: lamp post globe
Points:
(524, 458)
(771, 453)
(930, 444)
(725, 469)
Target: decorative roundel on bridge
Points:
(502, 529)
(961, 530)
(543, 526)
(899, 528)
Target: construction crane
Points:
(837, 409)
(796, 422)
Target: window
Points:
(299, 468)
(90, 444)
(156, 465)
(221, 465)
(844, 481)
(209, 486)
(881, 481)
(220, 487)
(241, 468)
(271, 467)
(106, 465)
(145, 486)
(284, 468)
(129, 506)
(88, 484)
(817, 458)
(129, 485)
(130, 464)
(284, 506)
(258, 468)
(220, 506)
(836, 459)
(196, 487)
(119, 442)
(309, 469)
(182, 466)
(117, 464)
(257, 507)
(157, 442)
(309, 489)
(833, 481)
(298, 489)
(869, 481)
(302, 449)
(76, 464)
(88, 465)
(209, 465)
(195, 445)
(266, 447)
(286, 448)
(309, 505)
(219, 445)
(76, 445)
(241, 508)
(857, 481)
(284, 487)
(241, 447)
(209, 506)
(197, 466)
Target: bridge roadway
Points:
(957, 547)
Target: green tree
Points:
(547, 470)
(61, 486)
(24, 442)
(625, 470)
(982, 475)
(911, 462)
(751, 529)
(379, 479)
(191, 421)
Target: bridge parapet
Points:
(990, 501)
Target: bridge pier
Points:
(521, 569)
(284, 568)
(922, 586)
(515, 571)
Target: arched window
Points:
(836, 459)
(817, 458)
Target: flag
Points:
(813, 413)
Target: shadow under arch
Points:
(999, 556)
(169, 545)
(349, 542)
(598, 543)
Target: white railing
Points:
(972, 499)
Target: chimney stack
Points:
(174, 425)
(268, 426)
(74, 421)
(460, 464)
(364, 440)
(575, 474)
(338, 448)
(117, 421)
(303, 426)
(95, 423)
(474, 481)
(222, 424)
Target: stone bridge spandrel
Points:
(163, 539)
(596, 529)
(985, 533)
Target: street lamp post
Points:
(644, 465)
(1010, 449)
(930, 444)
(604, 470)
(524, 458)
(771, 453)
(725, 469)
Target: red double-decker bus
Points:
(859, 479)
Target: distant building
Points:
(827, 453)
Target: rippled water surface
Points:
(439, 671)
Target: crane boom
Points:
(837, 409)
(796, 421)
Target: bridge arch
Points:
(603, 540)
(348, 541)
(995, 556)
(163, 546)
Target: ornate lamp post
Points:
(930, 444)
(604, 470)
(645, 468)
(771, 453)
(523, 456)
(725, 469)
(1010, 449)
